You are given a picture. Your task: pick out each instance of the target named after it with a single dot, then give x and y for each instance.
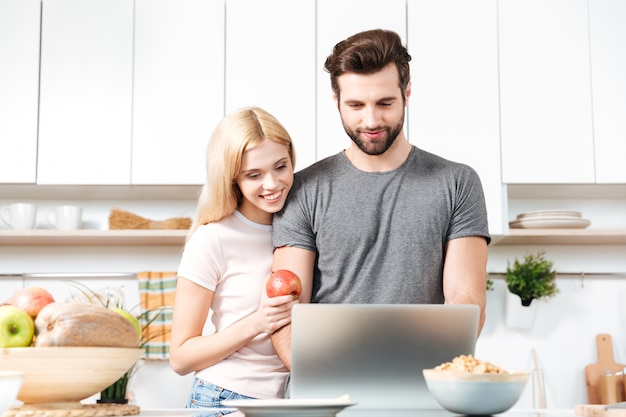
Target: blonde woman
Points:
(226, 261)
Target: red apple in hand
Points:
(283, 282)
(31, 299)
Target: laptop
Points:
(375, 353)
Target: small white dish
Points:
(549, 213)
(10, 384)
(290, 407)
(553, 222)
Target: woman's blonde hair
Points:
(235, 133)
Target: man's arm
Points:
(465, 273)
(301, 262)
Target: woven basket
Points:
(122, 219)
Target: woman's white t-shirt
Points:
(233, 258)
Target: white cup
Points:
(66, 217)
(20, 216)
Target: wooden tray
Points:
(80, 410)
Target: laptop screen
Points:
(375, 353)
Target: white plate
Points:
(549, 213)
(554, 222)
(289, 407)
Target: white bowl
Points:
(66, 374)
(10, 384)
(475, 394)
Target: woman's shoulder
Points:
(212, 230)
(234, 224)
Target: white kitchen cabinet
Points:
(545, 92)
(19, 89)
(178, 90)
(86, 92)
(270, 63)
(453, 108)
(336, 20)
(608, 61)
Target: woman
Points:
(226, 262)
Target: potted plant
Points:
(113, 298)
(530, 279)
(116, 393)
(489, 285)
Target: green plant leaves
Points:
(532, 278)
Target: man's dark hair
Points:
(367, 53)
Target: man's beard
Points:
(378, 146)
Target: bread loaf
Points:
(82, 324)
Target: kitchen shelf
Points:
(561, 237)
(85, 237)
(49, 237)
(99, 192)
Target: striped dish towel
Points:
(156, 292)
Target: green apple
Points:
(130, 318)
(17, 328)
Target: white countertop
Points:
(182, 412)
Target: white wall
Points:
(589, 302)
(565, 328)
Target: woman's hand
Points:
(274, 313)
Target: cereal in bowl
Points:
(469, 364)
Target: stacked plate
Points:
(550, 219)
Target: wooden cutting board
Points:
(595, 410)
(605, 362)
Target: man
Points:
(382, 221)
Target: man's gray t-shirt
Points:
(380, 237)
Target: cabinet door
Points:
(270, 63)
(608, 58)
(545, 92)
(19, 89)
(178, 88)
(86, 92)
(453, 108)
(336, 20)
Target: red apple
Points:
(31, 299)
(283, 282)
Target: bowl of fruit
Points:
(66, 374)
(470, 386)
(66, 351)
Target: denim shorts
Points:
(206, 395)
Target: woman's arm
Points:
(191, 351)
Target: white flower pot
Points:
(517, 316)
